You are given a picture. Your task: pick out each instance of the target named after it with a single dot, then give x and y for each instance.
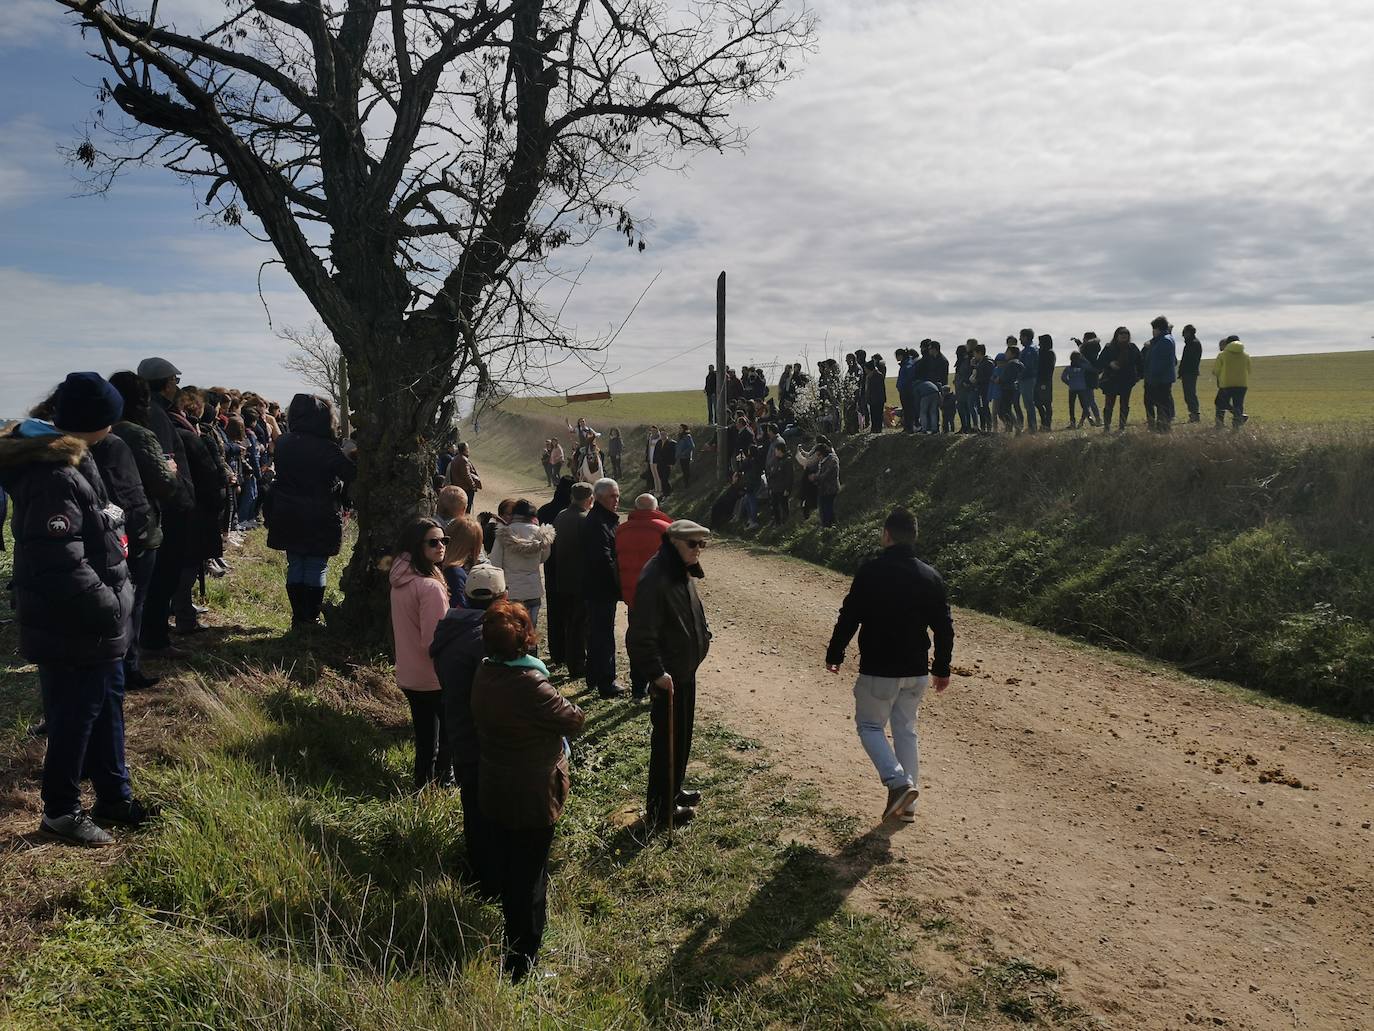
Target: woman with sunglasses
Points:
(419, 599)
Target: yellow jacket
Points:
(1232, 368)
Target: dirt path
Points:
(1185, 857)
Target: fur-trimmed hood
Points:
(525, 538)
(20, 449)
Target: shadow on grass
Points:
(805, 891)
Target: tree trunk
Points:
(396, 393)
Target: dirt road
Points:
(1186, 857)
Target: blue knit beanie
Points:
(86, 402)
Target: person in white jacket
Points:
(521, 547)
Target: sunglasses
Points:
(696, 545)
(436, 542)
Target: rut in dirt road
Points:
(1185, 856)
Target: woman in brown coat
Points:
(522, 723)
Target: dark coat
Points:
(1120, 367)
(457, 651)
(160, 422)
(304, 508)
(1190, 361)
(203, 538)
(71, 584)
(668, 631)
(521, 720)
(119, 473)
(568, 558)
(160, 484)
(600, 570)
(894, 599)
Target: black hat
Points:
(85, 402)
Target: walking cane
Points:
(672, 758)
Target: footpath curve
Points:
(1186, 857)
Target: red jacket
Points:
(636, 541)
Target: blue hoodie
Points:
(1030, 358)
(906, 374)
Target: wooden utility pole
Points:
(722, 413)
(345, 418)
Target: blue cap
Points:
(86, 402)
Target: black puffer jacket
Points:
(668, 631)
(160, 422)
(457, 651)
(119, 472)
(71, 583)
(304, 508)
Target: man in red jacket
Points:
(637, 540)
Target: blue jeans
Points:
(1027, 391)
(878, 701)
(306, 569)
(600, 644)
(84, 709)
(930, 413)
(968, 411)
(248, 499)
(827, 509)
(532, 607)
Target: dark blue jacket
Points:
(71, 584)
(304, 506)
(457, 651)
(1161, 360)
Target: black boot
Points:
(312, 601)
(293, 592)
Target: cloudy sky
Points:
(942, 168)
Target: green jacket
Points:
(159, 482)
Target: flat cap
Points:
(686, 530)
(153, 369)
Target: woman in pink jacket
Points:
(419, 599)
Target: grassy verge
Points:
(294, 881)
(1244, 557)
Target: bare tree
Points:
(417, 166)
(314, 358)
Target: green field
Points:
(1296, 389)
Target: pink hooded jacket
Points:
(417, 604)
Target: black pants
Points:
(875, 416)
(574, 617)
(600, 643)
(686, 465)
(157, 607)
(662, 794)
(1110, 401)
(432, 761)
(777, 500)
(521, 861)
(83, 707)
(665, 477)
(477, 833)
(1044, 404)
(1159, 405)
(141, 568)
(555, 628)
(1190, 397)
(910, 410)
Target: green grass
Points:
(1287, 389)
(292, 880)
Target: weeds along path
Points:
(1185, 855)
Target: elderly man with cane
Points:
(667, 640)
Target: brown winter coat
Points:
(462, 473)
(521, 721)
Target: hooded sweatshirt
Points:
(417, 604)
(1232, 368)
(519, 550)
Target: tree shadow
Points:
(808, 889)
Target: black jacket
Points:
(600, 570)
(123, 485)
(1190, 362)
(568, 559)
(304, 508)
(937, 369)
(203, 539)
(160, 422)
(668, 631)
(457, 651)
(71, 583)
(894, 599)
(1045, 372)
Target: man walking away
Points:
(667, 641)
(894, 599)
(567, 560)
(1161, 364)
(601, 587)
(1189, 365)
